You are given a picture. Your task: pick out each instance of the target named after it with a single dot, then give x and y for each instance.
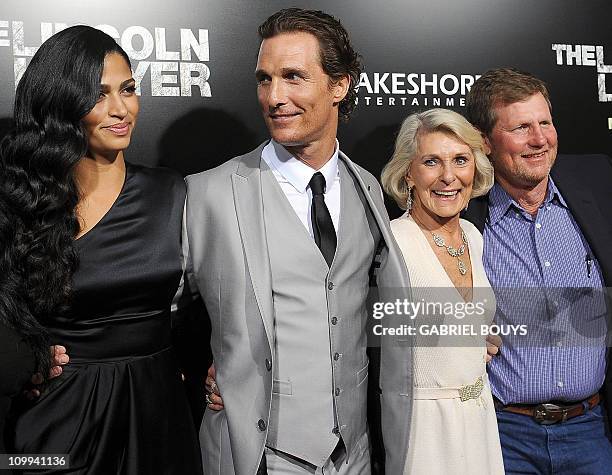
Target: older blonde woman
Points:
(438, 165)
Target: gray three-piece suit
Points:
(288, 333)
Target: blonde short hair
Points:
(407, 146)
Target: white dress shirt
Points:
(293, 177)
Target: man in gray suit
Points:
(280, 243)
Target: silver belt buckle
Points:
(544, 414)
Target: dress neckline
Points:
(423, 239)
(128, 174)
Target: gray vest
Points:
(320, 363)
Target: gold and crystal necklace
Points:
(439, 241)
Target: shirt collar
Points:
(500, 201)
(553, 192)
(296, 172)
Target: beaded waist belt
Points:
(465, 393)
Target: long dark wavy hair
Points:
(38, 193)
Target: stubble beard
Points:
(522, 176)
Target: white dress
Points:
(449, 434)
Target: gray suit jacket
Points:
(231, 271)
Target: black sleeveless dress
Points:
(120, 407)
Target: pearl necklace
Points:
(439, 241)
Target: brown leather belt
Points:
(549, 413)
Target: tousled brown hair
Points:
(338, 58)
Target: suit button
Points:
(337, 356)
(268, 364)
(335, 430)
(330, 286)
(334, 320)
(337, 392)
(261, 424)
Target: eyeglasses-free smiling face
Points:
(523, 143)
(298, 102)
(110, 123)
(442, 175)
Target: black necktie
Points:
(322, 224)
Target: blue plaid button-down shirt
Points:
(545, 276)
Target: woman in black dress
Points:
(101, 263)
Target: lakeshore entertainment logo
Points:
(171, 71)
(414, 89)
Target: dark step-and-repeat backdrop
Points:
(194, 63)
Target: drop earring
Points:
(409, 199)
